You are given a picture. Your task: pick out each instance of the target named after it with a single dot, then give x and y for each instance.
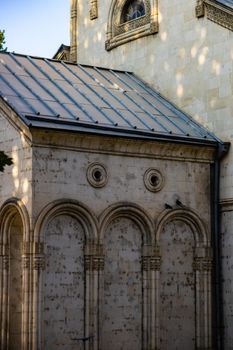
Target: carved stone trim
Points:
(202, 264)
(39, 262)
(94, 263)
(93, 9)
(26, 261)
(215, 12)
(6, 262)
(121, 33)
(151, 263)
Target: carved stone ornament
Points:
(97, 175)
(120, 32)
(153, 180)
(94, 263)
(93, 9)
(216, 12)
(202, 264)
(39, 262)
(151, 263)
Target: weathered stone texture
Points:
(16, 181)
(227, 261)
(177, 291)
(122, 304)
(15, 284)
(63, 289)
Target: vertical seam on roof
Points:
(132, 112)
(151, 104)
(66, 94)
(105, 89)
(79, 91)
(139, 106)
(17, 93)
(53, 95)
(174, 109)
(97, 94)
(36, 95)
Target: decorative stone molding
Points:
(39, 262)
(202, 264)
(153, 180)
(93, 9)
(6, 262)
(200, 10)
(94, 263)
(97, 175)
(26, 261)
(119, 33)
(151, 263)
(73, 31)
(216, 12)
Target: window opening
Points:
(133, 9)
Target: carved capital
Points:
(26, 261)
(6, 262)
(94, 263)
(39, 262)
(202, 264)
(151, 263)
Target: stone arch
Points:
(72, 208)
(131, 211)
(127, 235)
(199, 269)
(10, 208)
(14, 271)
(120, 33)
(75, 216)
(191, 218)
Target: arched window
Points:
(130, 20)
(133, 10)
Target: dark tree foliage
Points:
(2, 39)
(4, 160)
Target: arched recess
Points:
(15, 275)
(184, 280)
(127, 285)
(119, 33)
(64, 302)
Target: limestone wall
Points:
(190, 61)
(16, 180)
(127, 246)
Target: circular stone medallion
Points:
(153, 180)
(97, 175)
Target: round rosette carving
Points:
(97, 175)
(153, 180)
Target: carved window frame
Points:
(120, 33)
(216, 12)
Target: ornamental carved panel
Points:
(216, 12)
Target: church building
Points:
(117, 213)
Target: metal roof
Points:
(228, 3)
(62, 95)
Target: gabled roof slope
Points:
(61, 95)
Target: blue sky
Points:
(35, 27)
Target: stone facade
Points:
(190, 61)
(98, 263)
